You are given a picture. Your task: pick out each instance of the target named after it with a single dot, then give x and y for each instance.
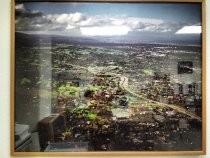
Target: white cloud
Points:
(190, 30)
(104, 30)
(89, 24)
(38, 25)
(76, 17)
(61, 18)
(69, 27)
(66, 18)
(117, 22)
(105, 22)
(19, 7)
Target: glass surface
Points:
(108, 76)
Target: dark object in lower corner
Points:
(185, 67)
(50, 129)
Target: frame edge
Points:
(127, 153)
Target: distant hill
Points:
(37, 39)
(155, 38)
(140, 38)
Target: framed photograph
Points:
(116, 78)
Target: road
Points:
(124, 85)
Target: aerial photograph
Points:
(108, 76)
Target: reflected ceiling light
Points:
(105, 30)
(190, 30)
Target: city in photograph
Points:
(108, 76)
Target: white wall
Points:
(5, 82)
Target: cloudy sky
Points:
(105, 19)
